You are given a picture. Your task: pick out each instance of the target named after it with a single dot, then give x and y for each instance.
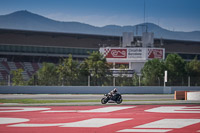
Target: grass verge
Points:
(27, 101)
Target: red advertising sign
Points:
(115, 53)
(155, 53)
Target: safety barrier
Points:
(193, 95)
(180, 95)
(90, 89)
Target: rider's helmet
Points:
(115, 90)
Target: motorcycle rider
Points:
(113, 93)
(112, 96)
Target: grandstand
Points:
(29, 49)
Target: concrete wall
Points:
(184, 88)
(90, 89)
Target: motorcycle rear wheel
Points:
(119, 101)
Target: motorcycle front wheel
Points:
(104, 100)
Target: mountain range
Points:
(25, 20)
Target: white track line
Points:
(98, 110)
(95, 122)
(21, 109)
(107, 109)
(170, 123)
(5, 120)
(146, 130)
(174, 109)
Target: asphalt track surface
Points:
(101, 119)
(83, 96)
(134, 99)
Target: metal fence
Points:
(111, 81)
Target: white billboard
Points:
(114, 53)
(136, 53)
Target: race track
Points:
(84, 96)
(101, 119)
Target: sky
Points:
(176, 15)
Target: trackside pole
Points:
(9, 80)
(88, 80)
(189, 81)
(165, 78)
(113, 81)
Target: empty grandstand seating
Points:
(28, 66)
(28, 69)
(12, 66)
(3, 75)
(35, 66)
(19, 65)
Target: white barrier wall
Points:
(77, 90)
(193, 95)
(91, 89)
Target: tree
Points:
(135, 79)
(123, 79)
(97, 66)
(17, 78)
(68, 71)
(84, 69)
(152, 72)
(47, 75)
(193, 70)
(175, 66)
(193, 67)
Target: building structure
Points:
(131, 54)
(29, 49)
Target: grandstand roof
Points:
(24, 37)
(73, 40)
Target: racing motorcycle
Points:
(117, 98)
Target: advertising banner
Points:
(133, 53)
(155, 53)
(115, 53)
(136, 53)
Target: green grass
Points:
(27, 101)
(33, 101)
(151, 100)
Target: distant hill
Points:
(25, 20)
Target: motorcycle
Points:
(117, 98)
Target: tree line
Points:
(96, 71)
(68, 72)
(179, 71)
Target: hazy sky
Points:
(178, 15)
